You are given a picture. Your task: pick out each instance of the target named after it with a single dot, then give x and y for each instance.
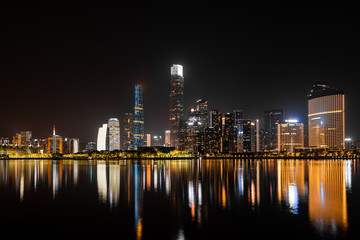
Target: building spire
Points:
(54, 130)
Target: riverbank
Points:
(191, 158)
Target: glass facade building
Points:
(271, 119)
(290, 136)
(326, 117)
(114, 134)
(138, 118)
(101, 143)
(177, 121)
(127, 131)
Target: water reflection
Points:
(192, 189)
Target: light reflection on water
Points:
(193, 190)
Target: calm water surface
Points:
(187, 199)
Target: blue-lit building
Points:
(138, 118)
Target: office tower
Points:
(326, 117)
(157, 141)
(17, 139)
(271, 119)
(214, 135)
(54, 143)
(40, 145)
(70, 145)
(66, 145)
(4, 141)
(167, 138)
(248, 138)
(148, 140)
(257, 135)
(238, 116)
(202, 109)
(350, 144)
(26, 137)
(74, 145)
(177, 120)
(138, 118)
(89, 147)
(127, 131)
(290, 135)
(114, 134)
(193, 142)
(211, 145)
(196, 124)
(229, 134)
(102, 138)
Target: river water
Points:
(180, 199)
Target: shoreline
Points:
(196, 158)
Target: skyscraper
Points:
(271, 119)
(290, 135)
(177, 120)
(238, 116)
(213, 134)
(148, 140)
(114, 134)
(326, 117)
(167, 138)
(138, 118)
(248, 136)
(127, 131)
(102, 138)
(26, 138)
(229, 134)
(54, 143)
(202, 109)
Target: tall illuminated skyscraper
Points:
(101, 143)
(167, 138)
(290, 135)
(138, 118)
(127, 131)
(114, 134)
(326, 116)
(271, 120)
(177, 121)
(54, 143)
(213, 134)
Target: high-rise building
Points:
(102, 138)
(238, 117)
(271, 119)
(194, 135)
(247, 136)
(326, 117)
(138, 118)
(54, 143)
(128, 131)
(177, 120)
(202, 109)
(74, 145)
(114, 134)
(290, 135)
(157, 141)
(16, 139)
(26, 137)
(167, 138)
(148, 140)
(229, 144)
(213, 134)
(71, 145)
(196, 124)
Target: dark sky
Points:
(76, 65)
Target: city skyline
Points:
(253, 66)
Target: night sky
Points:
(76, 65)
